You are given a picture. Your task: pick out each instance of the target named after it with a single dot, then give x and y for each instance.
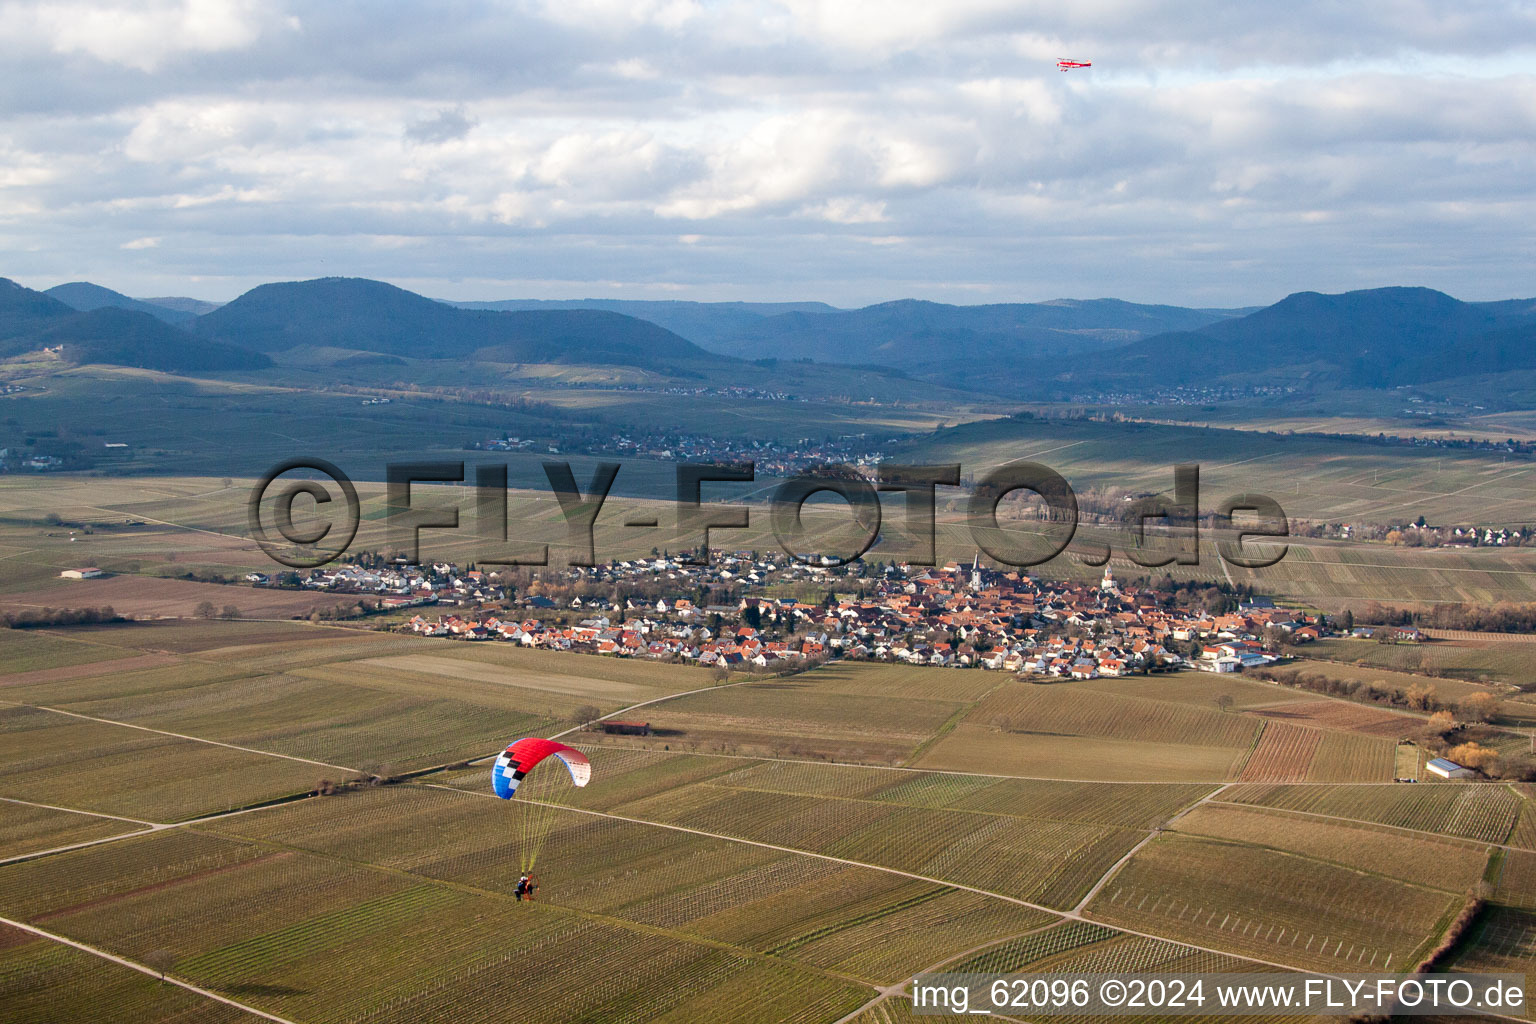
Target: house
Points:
(1449, 769)
(615, 727)
(89, 573)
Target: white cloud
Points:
(138, 35)
(1215, 150)
(141, 243)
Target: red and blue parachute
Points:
(514, 764)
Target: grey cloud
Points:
(444, 126)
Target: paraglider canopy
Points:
(521, 757)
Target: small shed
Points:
(1449, 769)
(618, 727)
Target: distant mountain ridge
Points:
(84, 296)
(182, 304)
(907, 334)
(357, 313)
(1375, 338)
(31, 320)
(1371, 338)
(703, 323)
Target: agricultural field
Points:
(1062, 731)
(799, 718)
(850, 918)
(1503, 939)
(1341, 715)
(1274, 906)
(791, 842)
(29, 828)
(42, 982)
(1358, 667)
(290, 930)
(1284, 754)
(1434, 863)
(1478, 661)
(1485, 812)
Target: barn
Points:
(616, 727)
(1449, 769)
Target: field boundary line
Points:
(123, 962)
(71, 810)
(37, 854)
(180, 736)
(1114, 868)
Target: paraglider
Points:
(1066, 65)
(519, 759)
(540, 796)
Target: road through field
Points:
(1117, 865)
(120, 961)
(179, 735)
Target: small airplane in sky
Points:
(1067, 65)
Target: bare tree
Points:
(161, 961)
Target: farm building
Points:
(88, 573)
(1449, 769)
(621, 728)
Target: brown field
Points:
(153, 597)
(455, 668)
(800, 717)
(1273, 905)
(1337, 714)
(1200, 689)
(974, 748)
(127, 663)
(200, 636)
(1284, 754)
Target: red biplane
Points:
(1067, 65)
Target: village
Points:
(771, 458)
(954, 616)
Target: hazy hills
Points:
(709, 325)
(31, 320)
(1375, 338)
(84, 296)
(925, 338)
(352, 313)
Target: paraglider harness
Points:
(525, 887)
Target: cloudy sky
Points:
(852, 151)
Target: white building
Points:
(1449, 769)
